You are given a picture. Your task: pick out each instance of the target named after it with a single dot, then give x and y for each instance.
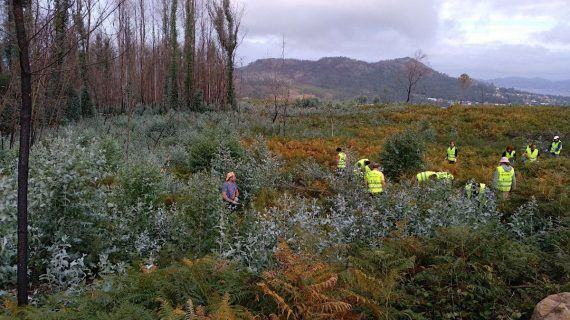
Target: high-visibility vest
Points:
(424, 176)
(362, 166)
(505, 179)
(374, 179)
(341, 160)
(444, 176)
(451, 154)
(510, 155)
(554, 148)
(469, 190)
(532, 155)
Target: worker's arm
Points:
(383, 183)
(225, 195)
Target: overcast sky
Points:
(484, 38)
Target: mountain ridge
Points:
(344, 78)
(534, 84)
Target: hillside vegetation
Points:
(126, 220)
(347, 79)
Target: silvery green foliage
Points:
(258, 168)
(140, 231)
(353, 217)
(8, 241)
(68, 200)
(106, 267)
(63, 199)
(65, 271)
(526, 224)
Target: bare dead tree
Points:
(24, 152)
(465, 83)
(227, 22)
(131, 68)
(415, 70)
(189, 51)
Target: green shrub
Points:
(197, 103)
(140, 183)
(307, 103)
(362, 100)
(402, 154)
(204, 148)
(112, 152)
(474, 275)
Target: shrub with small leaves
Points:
(402, 154)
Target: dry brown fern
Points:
(304, 288)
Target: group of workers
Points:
(504, 178)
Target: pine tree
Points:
(61, 20)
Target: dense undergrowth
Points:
(126, 220)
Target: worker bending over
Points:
(362, 167)
(426, 176)
(375, 180)
(531, 154)
(475, 190)
(509, 153)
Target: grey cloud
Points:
(329, 24)
(373, 30)
(559, 34)
(503, 60)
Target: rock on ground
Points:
(554, 307)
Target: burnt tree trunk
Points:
(24, 155)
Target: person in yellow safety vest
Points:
(426, 176)
(362, 166)
(475, 189)
(555, 147)
(452, 153)
(504, 179)
(444, 176)
(510, 153)
(375, 180)
(340, 159)
(531, 153)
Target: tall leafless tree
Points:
(24, 153)
(465, 83)
(189, 50)
(415, 70)
(227, 21)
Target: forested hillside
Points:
(387, 81)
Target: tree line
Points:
(110, 56)
(63, 60)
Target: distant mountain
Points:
(344, 78)
(535, 85)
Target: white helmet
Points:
(556, 137)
